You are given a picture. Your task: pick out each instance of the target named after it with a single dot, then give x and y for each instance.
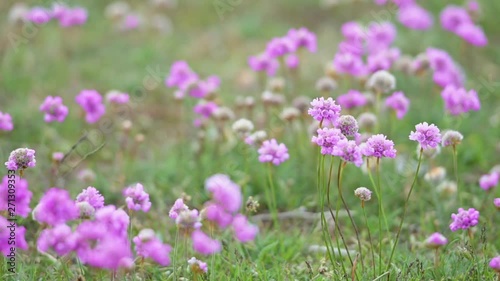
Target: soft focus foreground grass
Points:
(61, 62)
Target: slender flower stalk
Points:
(405, 209)
(272, 196)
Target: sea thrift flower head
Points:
(415, 17)
(86, 176)
(327, 138)
(271, 151)
(38, 15)
(216, 213)
(197, 266)
(205, 109)
(257, 138)
(353, 32)
(280, 46)
(367, 121)
(488, 181)
(324, 110)
(136, 198)
(130, 22)
(447, 188)
(188, 220)
(54, 109)
(349, 63)
(117, 97)
(349, 151)
(243, 230)
(428, 136)
(363, 193)
(60, 238)
(225, 192)
(203, 244)
(57, 156)
(381, 82)
(22, 195)
(399, 102)
(58, 10)
(17, 14)
(21, 159)
(464, 219)
(378, 146)
(115, 220)
(351, 99)
(180, 75)
(303, 38)
(264, 62)
(86, 210)
(436, 240)
(73, 17)
(6, 122)
(177, 208)
(348, 125)
(110, 253)
(451, 138)
(289, 114)
(56, 207)
(205, 88)
(496, 202)
(380, 35)
(148, 246)
(92, 196)
(326, 84)
(242, 127)
(495, 264)
(91, 102)
(6, 237)
(452, 17)
(473, 34)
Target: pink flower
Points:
(55, 207)
(73, 17)
(136, 198)
(54, 109)
(225, 192)
(180, 75)
(428, 136)
(489, 181)
(349, 151)
(399, 102)
(60, 238)
(6, 122)
(263, 62)
(464, 219)
(473, 34)
(92, 196)
(458, 100)
(38, 15)
(5, 234)
(324, 110)
(22, 195)
(271, 151)
(436, 240)
(452, 17)
(303, 38)
(117, 97)
(91, 102)
(327, 138)
(415, 17)
(177, 208)
(348, 63)
(243, 230)
(351, 99)
(378, 146)
(280, 46)
(21, 159)
(147, 245)
(217, 214)
(203, 244)
(292, 61)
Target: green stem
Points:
(369, 238)
(455, 170)
(176, 246)
(272, 201)
(405, 209)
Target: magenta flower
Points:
(263, 62)
(6, 122)
(428, 136)
(73, 17)
(177, 208)
(351, 99)
(205, 109)
(147, 245)
(55, 207)
(5, 235)
(91, 102)
(203, 244)
(496, 202)
(324, 110)
(303, 38)
(380, 36)
(202, 88)
(117, 97)
(292, 61)
(399, 102)
(180, 75)
(349, 63)
(243, 230)
(378, 61)
(348, 151)
(489, 181)
(436, 240)
(22, 195)
(378, 146)
(38, 15)
(130, 22)
(458, 100)
(415, 17)
(58, 10)
(353, 32)
(280, 46)
(92, 196)
(110, 253)
(189, 219)
(60, 238)
(452, 17)
(464, 219)
(327, 138)
(115, 221)
(348, 125)
(136, 198)
(217, 214)
(495, 264)
(21, 159)
(473, 34)
(271, 151)
(54, 109)
(225, 192)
